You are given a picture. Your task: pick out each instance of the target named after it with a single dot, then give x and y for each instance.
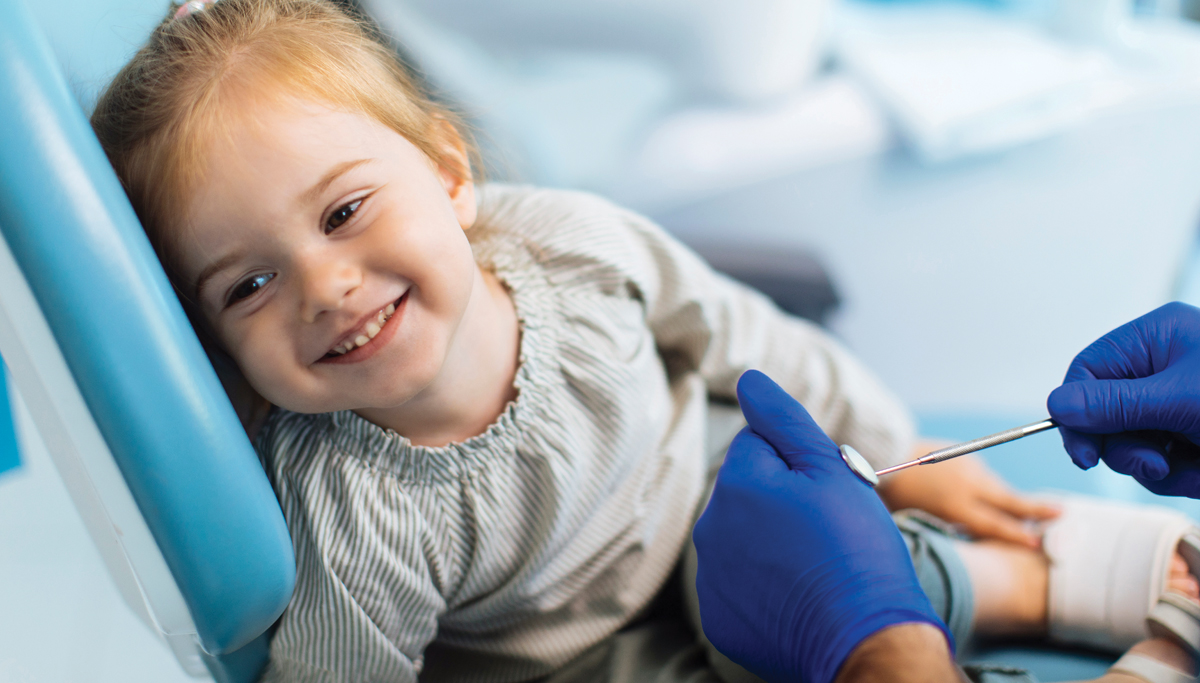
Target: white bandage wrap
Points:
(1108, 568)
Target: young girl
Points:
(491, 401)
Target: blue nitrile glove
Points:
(1133, 398)
(799, 561)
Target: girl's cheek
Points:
(249, 345)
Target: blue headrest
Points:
(135, 358)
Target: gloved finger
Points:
(784, 423)
(1084, 449)
(1183, 456)
(985, 521)
(1120, 405)
(1182, 452)
(1101, 406)
(749, 455)
(1019, 506)
(1135, 455)
(1179, 483)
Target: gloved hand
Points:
(799, 561)
(1132, 398)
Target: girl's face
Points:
(327, 254)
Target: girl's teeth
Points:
(372, 328)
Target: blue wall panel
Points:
(10, 458)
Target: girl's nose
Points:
(327, 284)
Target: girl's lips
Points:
(361, 353)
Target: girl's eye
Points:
(341, 215)
(248, 287)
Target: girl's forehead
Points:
(296, 125)
(284, 143)
(288, 160)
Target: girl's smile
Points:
(362, 342)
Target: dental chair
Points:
(131, 411)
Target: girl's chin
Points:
(398, 395)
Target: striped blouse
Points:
(502, 557)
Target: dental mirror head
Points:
(859, 465)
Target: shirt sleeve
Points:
(367, 598)
(706, 321)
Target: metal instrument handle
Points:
(973, 446)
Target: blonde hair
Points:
(174, 96)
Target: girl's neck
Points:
(475, 384)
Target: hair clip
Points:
(190, 7)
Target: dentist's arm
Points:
(1132, 399)
(802, 573)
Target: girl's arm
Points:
(711, 323)
(706, 321)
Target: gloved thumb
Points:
(1104, 406)
(783, 422)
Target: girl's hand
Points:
(964, 491)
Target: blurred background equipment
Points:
(926, 163)
(935, 143)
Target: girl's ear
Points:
(457, 181)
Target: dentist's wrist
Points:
(904, 653)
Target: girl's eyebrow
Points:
(212, 269)
(313, 193)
